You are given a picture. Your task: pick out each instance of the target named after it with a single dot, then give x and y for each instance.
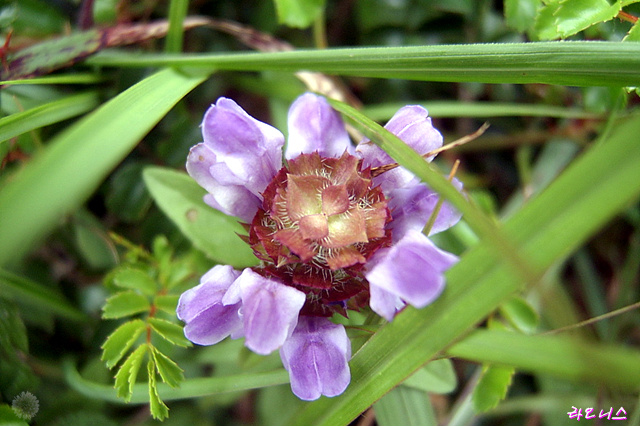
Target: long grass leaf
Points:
(72, 166)
(578, 63)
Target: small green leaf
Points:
(169, 371)
(135, 279)
(167, 303)
(124, 304)
(437, 376)
(119, 342)
(492, 387)
(561, 19)
(159, 410)
(520, 315)
(298, 13)
(214, 233)
(169, 331)
(126, 376)
(576, 15)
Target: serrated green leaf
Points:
(565, 18)
(169, 331)
(438, 377)
(159, 410)
(298, 13)
(492, 387)
(576, 15)
(126, 376)
(634, 33)
(119, 342)
(169, 371)
(520, 314)
(214, 233)
(135, 279)
(124, 304)
(167, 302)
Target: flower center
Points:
(320, 221)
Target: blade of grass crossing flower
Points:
(593, 189)
(69, 169)
(413, 162)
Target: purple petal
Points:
(412, 269)
(413, 125)
(316, 357)
(207, 320)
(315, 126)
(250, 149)
(269, 310)
(385, 304)
(412, 207)
(231, 199)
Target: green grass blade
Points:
(383, 112)
(597, 186)
(405, 406)
(177, 13)
(37, 295)
(577, 63)
(78, 78)
(562, 356)
(52, 112)
(67, 172)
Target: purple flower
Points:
(411, 270)
(208, 319)
(316, 356)
(269, 310)
(331, 235)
